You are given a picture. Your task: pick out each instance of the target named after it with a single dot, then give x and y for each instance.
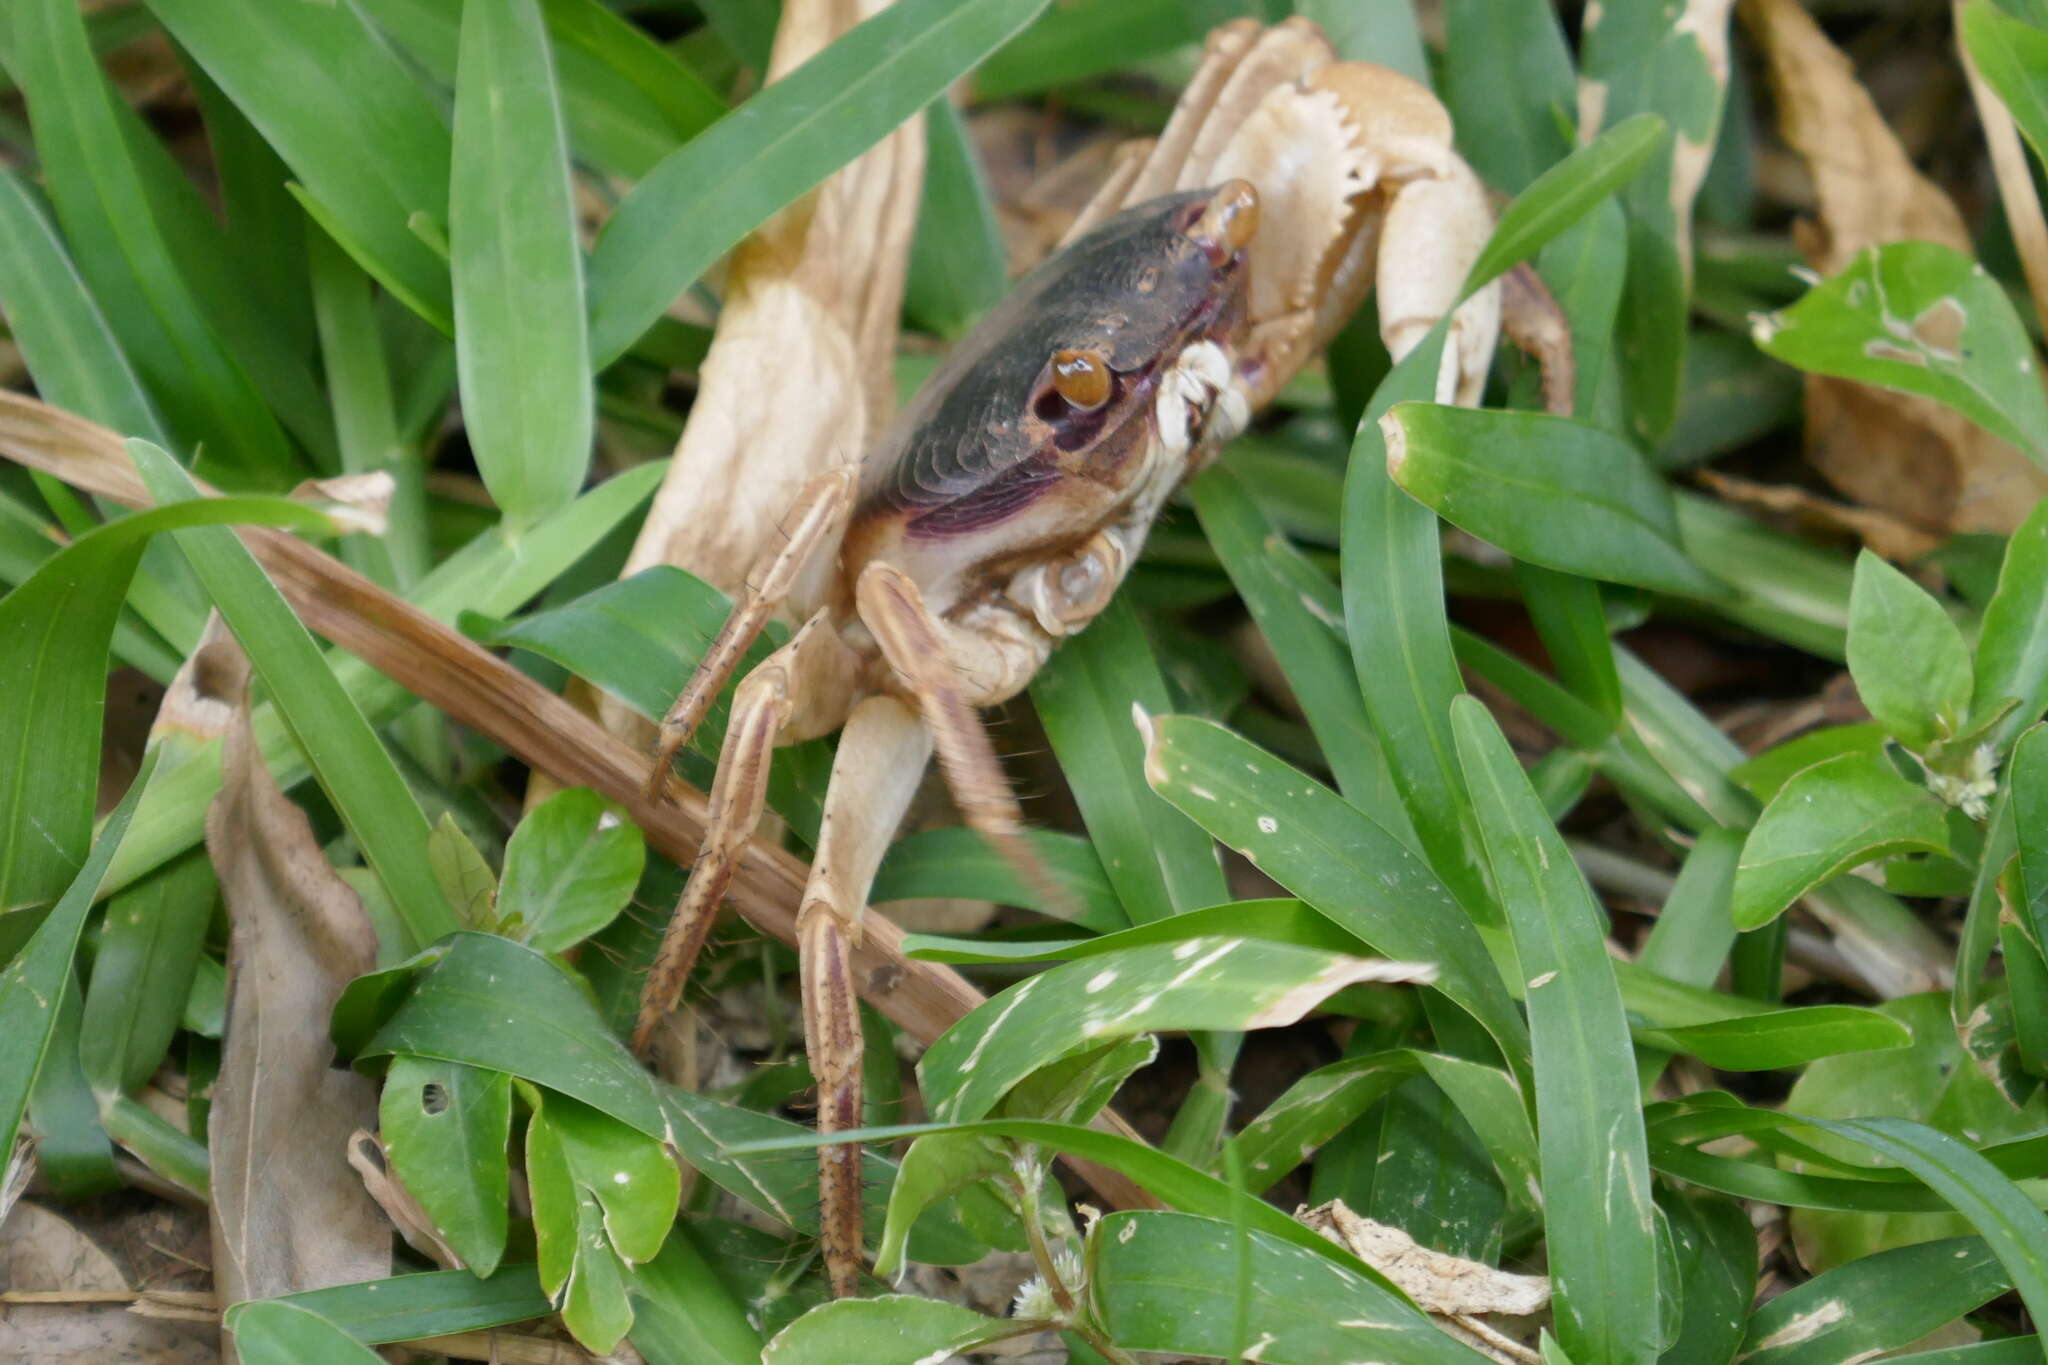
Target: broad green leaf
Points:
(354, 769)
(1827, 819)
(1909, 661)
(1875, 1304)
(2012, 646)
(1556, 492)
(436, 1303)
(1766, 774)
(1567, 192)
(581, 1267)
(692, 208)
(688, 1311)
(957, 263)
(446, 1129)
(2007, 1219)
(933, 1167)
(56, 628)
(1075, 1088)
(634, 1180)
(570, 867)
(892, 1329)
(521, 341)
(34, 984)
(463, 875)
(1926, 319)
(1201, 983)
(1161, 1282)
(1600, 1235)
(142, 974)
(1331, 855)
(274, 1332)
(368, 145)
(1160, 862)
(102, 200)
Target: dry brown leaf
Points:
(1884, 533)
(64, 1300)
(1459, 1295)
(1902, 454)
(373, 1165)
(288, 1213)
(477, 689)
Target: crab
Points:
(998, 515)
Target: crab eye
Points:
(1081, 377)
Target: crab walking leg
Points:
(804, 687)
(1532, 319)
(814, 521)
(949, 670)
(882, 756)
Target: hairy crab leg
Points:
(764, 704)
(814, 520)
(881, 759)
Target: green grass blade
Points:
(103, 202)
(436, 1303)
(698, 203)
(1599, 1234)
(2003, 1215)
(142, 974)
(1160, 862)
(344, 752)
(1508, 78)
(521, 349)
(33, 985)
(488, 575)
(958, 267)
(368, 145)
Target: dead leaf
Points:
(367, 1155)
(1459, 1295)
(288, 1213)
(1904, 455)
(1884, 533)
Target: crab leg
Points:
(818, 514)
(881, 759)
(785, 688)
(949, 671)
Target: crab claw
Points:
(1230, 221)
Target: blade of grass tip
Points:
(1507, 73)
(33, 985)
(957, 263)
(102, 199)
(1600, 1230)
(521, 345)
(699, 202)
(343, 751)
(344, 112)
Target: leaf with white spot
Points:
(1211, 982)
(570, 867)
(895, 1329)
(1925, 319)
(1163, 1282)
(1332, 855)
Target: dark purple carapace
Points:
(989, 434)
